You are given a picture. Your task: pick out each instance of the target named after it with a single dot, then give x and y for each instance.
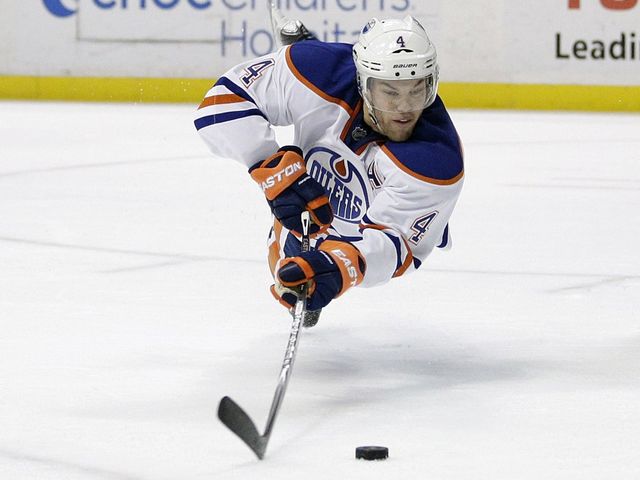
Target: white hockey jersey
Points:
(392, 200)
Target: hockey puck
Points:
(372, 453)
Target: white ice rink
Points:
(133, 295)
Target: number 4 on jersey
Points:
(421, 225)
(255, 71)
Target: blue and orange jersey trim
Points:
(433, 154)
(414, 170)
(310, 61)
(237, 95)
(348, 126)
(222, 99)
(402, 265)
(359, 143)
(232, 87)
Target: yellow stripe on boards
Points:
(541, 97)
(456, 95)
(109, 89)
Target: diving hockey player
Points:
(376, 158)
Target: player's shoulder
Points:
(327, 69)
(433, 153)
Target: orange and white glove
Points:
(290, 190)
(330, 270)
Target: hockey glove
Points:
(331, 270)
(290, 190)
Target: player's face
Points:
(398, 105)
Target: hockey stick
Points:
(285, 30)
(230, 413)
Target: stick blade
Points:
(237, 420)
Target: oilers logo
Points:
(346, 186)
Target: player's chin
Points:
(400, 129)
(399, 132)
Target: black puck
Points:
(372, 453)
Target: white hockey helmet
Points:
(391, 50)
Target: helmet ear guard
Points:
(390, 50)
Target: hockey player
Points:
(376, 159)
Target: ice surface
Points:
(133, 296)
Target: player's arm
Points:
(235, 119)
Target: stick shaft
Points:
(294, 337)
(231, 414)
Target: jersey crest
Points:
(345, 185)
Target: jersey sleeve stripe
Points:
(313, 88)
(407, 170)
(445, 237)
(347, 127)
(407, 262)
(226, 117)
(364, 226)
(221, 99)
(396, 243)
(232, 87)
(401, 265)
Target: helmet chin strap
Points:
(370, 113)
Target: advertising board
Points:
(509, 45)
